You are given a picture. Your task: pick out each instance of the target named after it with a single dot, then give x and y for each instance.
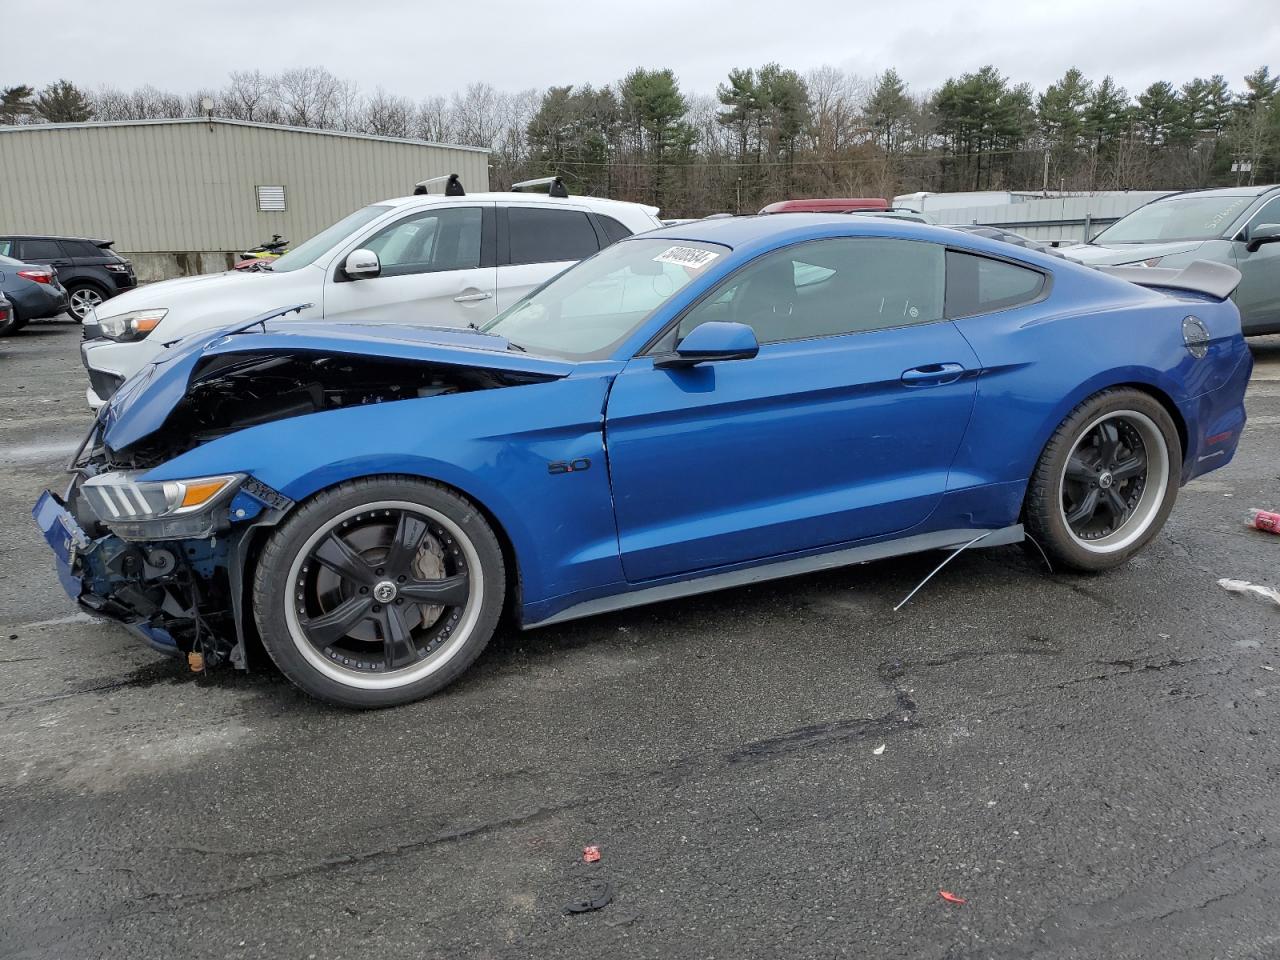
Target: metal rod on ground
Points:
(950, 557)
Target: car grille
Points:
(104, 384)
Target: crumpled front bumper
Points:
(74, 557)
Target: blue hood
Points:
(145, 401)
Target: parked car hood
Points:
(1098, 254)
(207, 286)
(143, 402)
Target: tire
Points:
(83, 296)
(327, 591)
(1105, 482)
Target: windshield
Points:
(585, 312)
(1183, 218)
(308, 253)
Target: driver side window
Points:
(827, 288)
(429, 242)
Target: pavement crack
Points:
(823, 734)
(1129, 667)
(343, 861)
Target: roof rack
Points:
(452, 186)
(555, 186)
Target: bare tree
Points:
(386, 115)
(434, 120)
(314, 97)
(249, 96)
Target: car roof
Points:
(765, 231)
(1255, 191)
(46, 236)
(541, 199)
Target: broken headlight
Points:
(158, 509)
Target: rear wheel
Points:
(1106, 481)
(379, 592)
(83, 298)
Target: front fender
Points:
(495, 446)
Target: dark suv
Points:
(90, 270)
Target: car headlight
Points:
(158, 509)
(131, 326)
(1149, 262)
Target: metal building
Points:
(183, 196)
(1056, 218)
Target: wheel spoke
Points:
(397, 640)
(1131, 467)
(1077, 469)
(334, 553)
(1117, 504)
(449, 592)
(1085, 509)
(410, 531)
(1109, 449)
(339, 621)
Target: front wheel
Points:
(379, 592)
(1106, 481)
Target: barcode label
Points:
(690, 257)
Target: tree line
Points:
(768, 132)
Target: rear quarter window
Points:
(83, 249)
(614, 230)
(977, 284)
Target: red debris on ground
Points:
(950, 897)
(590, 854)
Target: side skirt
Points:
(789, 567)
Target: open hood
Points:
(249, 377)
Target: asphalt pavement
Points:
(786, 770)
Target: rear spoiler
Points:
(1203, 276)
(102, 244)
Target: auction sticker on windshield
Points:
(690, 257)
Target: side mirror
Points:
(1262, 233)
(713, 341)
(361, 265)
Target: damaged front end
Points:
(169, 557)
(165, 558)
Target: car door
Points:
(842, 428)
(536, 242)
(437, 269)
(1258, 295)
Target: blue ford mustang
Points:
(708, 405)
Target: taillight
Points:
(38, 276)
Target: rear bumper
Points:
(37, 301)
(1215, 422)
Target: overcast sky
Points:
(423, 47)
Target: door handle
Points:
(933, 374)
(472, 297)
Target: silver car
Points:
(1239, 226)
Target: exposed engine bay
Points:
(233, 391)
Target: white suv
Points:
(429, 259)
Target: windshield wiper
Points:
(512, 345)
